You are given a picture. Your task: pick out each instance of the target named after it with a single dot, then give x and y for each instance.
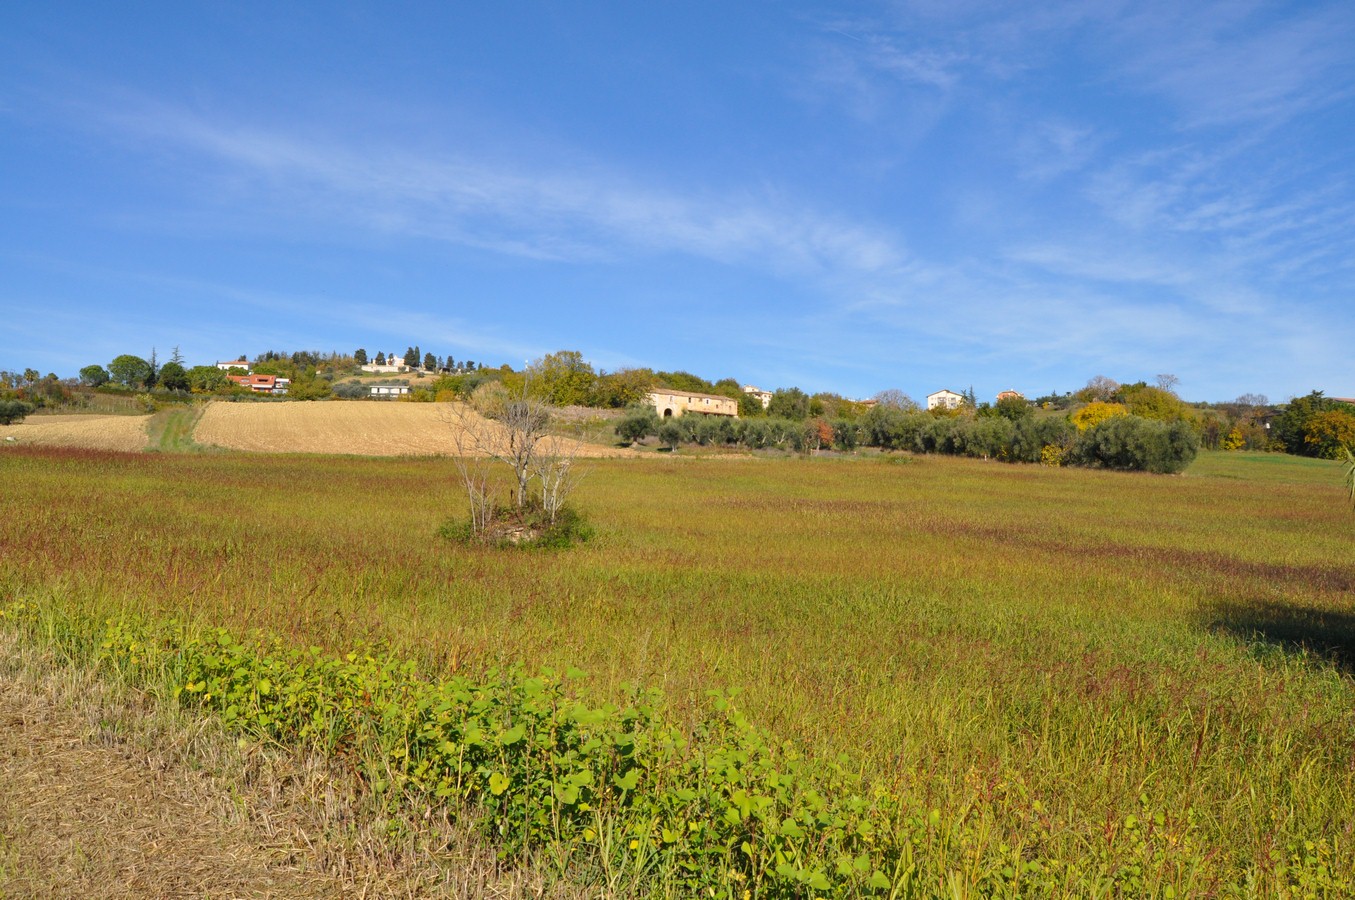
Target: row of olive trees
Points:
(1120, 442)
(755, 434)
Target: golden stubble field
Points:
(83, 432)
(362, 429)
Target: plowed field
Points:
(363, 429)
(85, 432)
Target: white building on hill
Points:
(945, 399)
(763, 397)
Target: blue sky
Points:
(844, 197)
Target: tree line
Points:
(1125, 442)
(1312, 425)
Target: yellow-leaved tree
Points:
(1096, 412)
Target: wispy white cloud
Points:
(920, 66)
(1270, 218)
(1054, 147)
(542, 214)
(1224, 63)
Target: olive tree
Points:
(13, 411)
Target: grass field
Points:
(1145, 671)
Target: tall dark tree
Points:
(360, 356)
(173, 377)
(380, 358)
(411, 357)
(430, 362)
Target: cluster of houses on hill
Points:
(395, 365)
(276, 384)
(947, 399)
(666, 402)
(669, 402)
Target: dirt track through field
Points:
(84, 432)
(362, 428)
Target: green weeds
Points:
(719, 809)
(171, 429)
(522, 528)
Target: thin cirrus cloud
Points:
(1226, 64)
(545, 215)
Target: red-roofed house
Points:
(260, 384)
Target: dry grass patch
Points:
(103, 794)
(360, 428)
(124, 433)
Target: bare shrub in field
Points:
(555, 470)
(125, 433)
(472, 468)
(525, 442)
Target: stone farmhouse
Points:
(668, 403)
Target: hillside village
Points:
(1053, 429)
